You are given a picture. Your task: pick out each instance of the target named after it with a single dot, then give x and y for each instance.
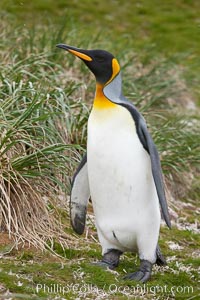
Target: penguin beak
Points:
(82, 54)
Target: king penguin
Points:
(120, 171)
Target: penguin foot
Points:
(143, 274)
(110, 259)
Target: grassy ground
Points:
(45, 98)
(38, 276)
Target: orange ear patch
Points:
(115, 70)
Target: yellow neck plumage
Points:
(100, 101)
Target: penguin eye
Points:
(99, 58)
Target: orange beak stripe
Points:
(81, 55)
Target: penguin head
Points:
(103, 64)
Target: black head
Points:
(102, 63)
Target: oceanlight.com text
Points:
(113, 289)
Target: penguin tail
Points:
(160, 259)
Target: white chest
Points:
(112, 138)
(117, 160)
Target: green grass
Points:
(45, 99)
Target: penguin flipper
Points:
(80, 194)
(149, 145)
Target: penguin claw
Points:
(138, 276)
(103, 265)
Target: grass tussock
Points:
(38, 145)
(32, 158)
